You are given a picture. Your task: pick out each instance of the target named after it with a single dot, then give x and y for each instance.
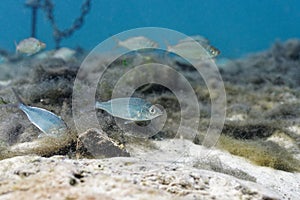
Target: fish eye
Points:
(152, 110)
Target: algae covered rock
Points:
(97, 144)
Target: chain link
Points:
(58, 34)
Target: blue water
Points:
(236, 27)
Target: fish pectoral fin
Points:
(128, 122)
(42, 135)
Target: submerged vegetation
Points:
(263, 153)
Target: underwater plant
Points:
(263, 153)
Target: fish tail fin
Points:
(117, 41)
(20, 101)
(167, 52)
(167, 44)
(98, 105)
(102, 105)
(16, 45)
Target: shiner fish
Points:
(204, 42)
(189, 48)
(47, 122)
(30, 46)
(197, 38)
(132, 109)
(139, 42)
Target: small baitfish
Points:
(49, 123)
(64, 53)
(198, 38)
(136, 43)
(132, 109)
(189, 48)
(30, 46)
(204, 42)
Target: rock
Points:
(285, 184)
(97, 144)
(46, 146)
(33, 177)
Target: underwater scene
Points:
(150, 99)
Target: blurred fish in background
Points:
(136, 43)
(30, 46)
(194, 47)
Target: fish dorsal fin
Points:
(18, 96)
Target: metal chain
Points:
(58, 34)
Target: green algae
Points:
(260, 152)
(2, 101)
(250, 129)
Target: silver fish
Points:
(139, 42)
(198, 38)
(132, 109)
(189, 48)
(30, 46)
(213, 51)
(64, 53)
(49, 123)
